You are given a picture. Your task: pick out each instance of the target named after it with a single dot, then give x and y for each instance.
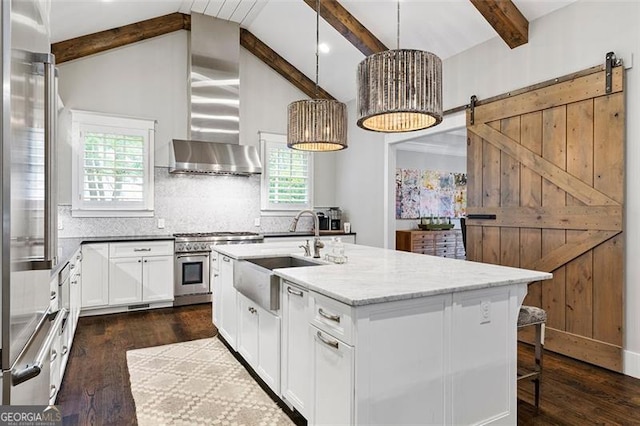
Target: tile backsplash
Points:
(187, 203)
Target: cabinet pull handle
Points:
(54, 355)
(72, 266)
(141, 249)
(328, 342)
(53, 295)
(335, 318)
(216, 275)
(65, 350)
(294, 292)
(52, 392)
(226, 259)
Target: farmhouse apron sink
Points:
(254, 278)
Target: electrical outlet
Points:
(161, 223)
(256, 221)
(485, 312)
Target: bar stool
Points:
(531, 315)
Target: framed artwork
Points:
(425, 193)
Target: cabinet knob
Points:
(145, 261)
(139, 260)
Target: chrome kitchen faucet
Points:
(317, 244)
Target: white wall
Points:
(149, 79)
(426, 161)
(359, 179)
(264, 97)
(571, 39)
(146, 79)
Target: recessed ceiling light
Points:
(324, 48)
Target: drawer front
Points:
(141, 248)
(332, 317)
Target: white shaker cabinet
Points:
(215, 286)
(125, 280)
(332, 364)
(227, 303)
(259, 341)
(157, 278)
(296, 364)
(247, 330)
(140, 272)
(95, 278)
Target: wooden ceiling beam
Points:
(506, 20)
(347, 25)
(90, 44)
(281, 66)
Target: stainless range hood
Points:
(215, 158)
(214, 146)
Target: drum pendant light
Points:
(399, 90)
(317, 124)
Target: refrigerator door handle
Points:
(34, 369)
(50, 190)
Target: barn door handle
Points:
(482, 216)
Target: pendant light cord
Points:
(398, 28)
(317, 44)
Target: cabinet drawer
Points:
(141, 248)
(332, 317)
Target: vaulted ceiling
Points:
(445, 27)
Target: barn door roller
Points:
(610, 61)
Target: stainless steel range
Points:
(192, 256)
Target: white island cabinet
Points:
(226, 302)
(296, 351)
(397, 338)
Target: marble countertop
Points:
(374, 275)
(324, 233)
(68, 245)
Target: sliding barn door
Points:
(549, 164)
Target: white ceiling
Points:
(444, 27)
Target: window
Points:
(113, 165)
(287, 175)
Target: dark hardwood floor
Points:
(96, 389)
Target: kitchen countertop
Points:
(68, 246)
(375, 275)
(305, 234)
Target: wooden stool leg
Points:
(538, 355)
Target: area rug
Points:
(197, 383)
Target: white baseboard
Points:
(631, 362)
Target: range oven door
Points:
(192, 273)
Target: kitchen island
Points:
(387, 338)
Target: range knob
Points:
(188, 246)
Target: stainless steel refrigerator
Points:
(28, 202)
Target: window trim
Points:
(269, 210)
(83, 120)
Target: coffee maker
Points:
(329, 218)
(335, 218)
